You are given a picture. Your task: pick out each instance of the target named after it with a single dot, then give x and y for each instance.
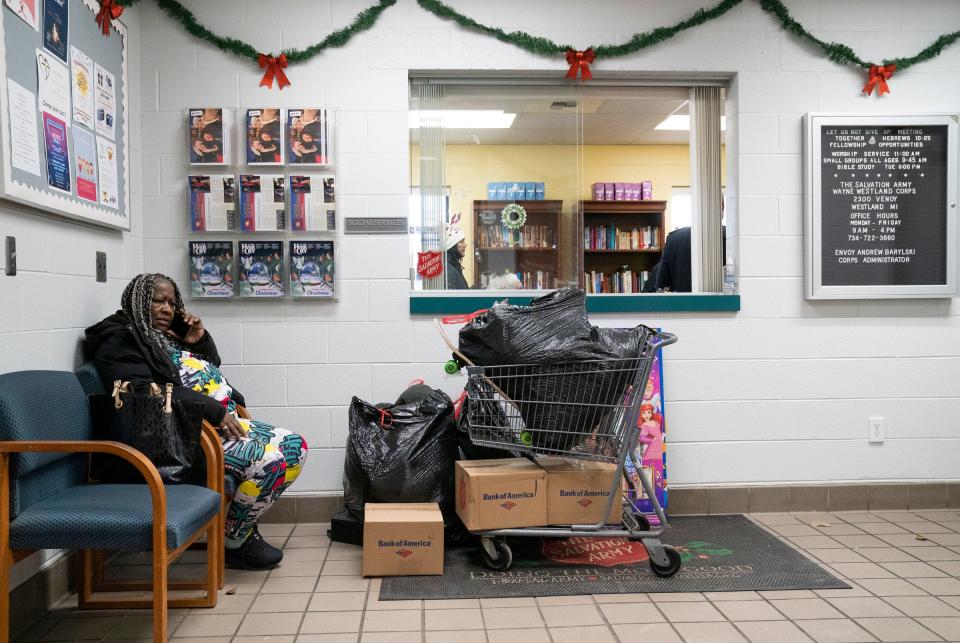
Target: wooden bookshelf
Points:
(536, 247)
(608, 254)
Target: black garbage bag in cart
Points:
(584, 370)
(403, 452)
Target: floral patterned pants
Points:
(265, 463)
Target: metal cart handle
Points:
(663, 339)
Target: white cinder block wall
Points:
(778, 392)
(55, 294)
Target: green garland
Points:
(837, 52)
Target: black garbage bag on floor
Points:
(554, 332)
(404, 452)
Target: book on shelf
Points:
(529, 236)
(530, 280)
(623, 281)
(609, 237)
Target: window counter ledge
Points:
(433, 304)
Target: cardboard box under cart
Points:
(404, 539)
(578, 491)
(498, 494)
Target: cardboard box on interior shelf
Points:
(578, 490)
(497, 494)
(403, 539)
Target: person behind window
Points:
(456, 246)
(674, 272)
(135, 344)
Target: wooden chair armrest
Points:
(242, 412)
(119, 449)
(215, 471)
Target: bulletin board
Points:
(77, 165)
(881, 206)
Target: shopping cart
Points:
(587, 410)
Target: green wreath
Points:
(513, 216)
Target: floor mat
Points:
(721, 553)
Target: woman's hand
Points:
(230, 428)
(195, 330)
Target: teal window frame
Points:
(445, 304)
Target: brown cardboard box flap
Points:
(402, 512)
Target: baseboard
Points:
(804, 497)
(721, 499)
(303, 509)
(35, 596)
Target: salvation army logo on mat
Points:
(607, 552)
(403, 553)
(508, 505)
(697, 549)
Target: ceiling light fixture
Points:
(677, 122)
(461, 118)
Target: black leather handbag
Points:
(165, 430)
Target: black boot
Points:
(254, 554)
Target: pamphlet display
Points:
(313, 269)
(262, 203)
(211, 269)
(209, 142)
(262, 196)
(308, 136)
(312, 203)
(212, 202)
(263, 136)
(879, 219)
(261, 269)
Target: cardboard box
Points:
(403, 539)
(598, 192)
(577, 491)
(495, 494)
(618, 194)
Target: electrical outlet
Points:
(101, 266)
(876, 432)
(11, 256)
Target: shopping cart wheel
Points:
(502, 557)
(672, 567)
(451, 367)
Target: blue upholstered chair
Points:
(92, 385)
(45, 502)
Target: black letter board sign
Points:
(880, 206)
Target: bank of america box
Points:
(496, 494)
(402, 539)
(578, 491)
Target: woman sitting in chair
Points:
(136, 344)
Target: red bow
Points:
(580, 60)
(274, 67)
(109, 10)
(878, 79)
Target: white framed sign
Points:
(880, 206)
(64, 144)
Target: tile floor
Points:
(904, 568)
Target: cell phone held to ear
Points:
(179, 325)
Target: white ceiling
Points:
(545, 116)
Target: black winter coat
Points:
(120, 353)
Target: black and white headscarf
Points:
(136, 301)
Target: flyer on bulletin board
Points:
(24, 144)
(85, 164)
(53, 86)
(56, 15)
(106, 101)
(58, 156)
(81, 67)
(27, 11)
(107, 173)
